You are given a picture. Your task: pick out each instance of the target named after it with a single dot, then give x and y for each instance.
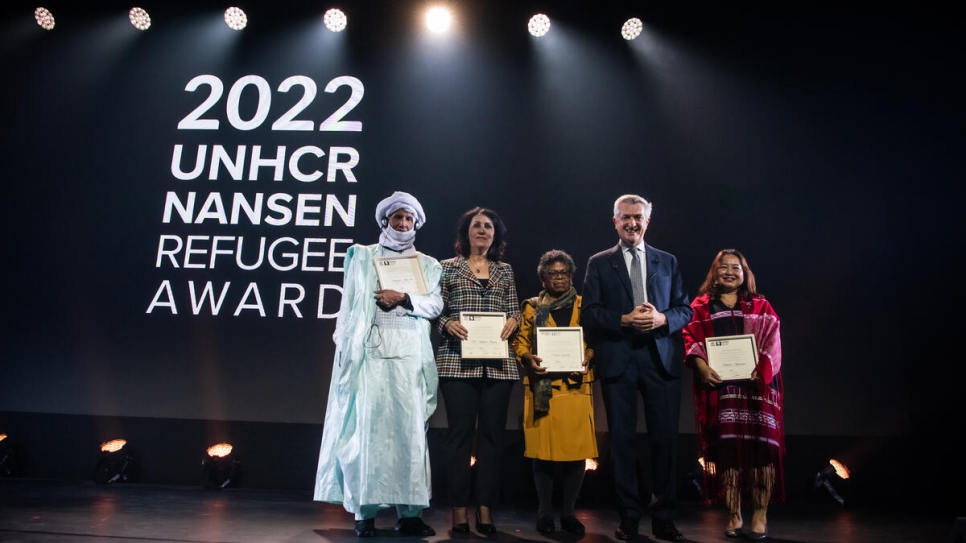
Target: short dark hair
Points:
(746, 291)
(552, 257)
(462, 244)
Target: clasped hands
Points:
(388, 299)
(644, 318)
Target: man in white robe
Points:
(374, 453)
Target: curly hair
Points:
(553, 257)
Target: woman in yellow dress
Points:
(558, 409)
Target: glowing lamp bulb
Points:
(113, 445)
(44, 18)
(335, 20)
(840, 468)
(438, 19)
(220, 450)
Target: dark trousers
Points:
(661, 393)
(474, 407)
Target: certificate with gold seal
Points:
(483, 329)
(561, 349)
(733, 357)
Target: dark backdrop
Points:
(823, 142)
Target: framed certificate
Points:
(733, 357)
(483, 335)
(401, 273)
(561, 348)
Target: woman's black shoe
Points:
(461, 528)
(482, 527)
(545, 525)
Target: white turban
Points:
(400, 200)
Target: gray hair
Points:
(633, 199)
(552, 257)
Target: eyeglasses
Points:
(558, 273)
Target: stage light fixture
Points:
(335, 20)
(235, 18)
(115, 462)
(823, 478)
(44, 18)
(220, 467)
(7, 458)
(590, 464)
(632, 28)
(139, 18)
(539, 25)
(438, 19)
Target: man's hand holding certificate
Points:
(401, 273)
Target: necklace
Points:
(479, 268)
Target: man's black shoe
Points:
(414, 526)
(366, 528)
(627, 530)
(666, 530)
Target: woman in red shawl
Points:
(740, 424)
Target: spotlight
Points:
(220, 467)
(438, 19)
(44, 18)
(335, 20)
(7, 458)
(115, 462)
(139, 18)
(590, 464)
(235, 18)
(696, 475)
(539, 25)
(632, 28)
(822, 478)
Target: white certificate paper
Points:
(401, 273)
(732, 357)
(561, 348)
(483, 335)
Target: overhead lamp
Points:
(539, 25)
(235, 18)
(115, 462)
(220, 466)
(824, 478)
(335, 20)
(632, 28)
(438, 19)
(44, 18)
(139, 18)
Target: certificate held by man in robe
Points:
(401, 273)
(561, 348)
(483, 329)
(733, 358)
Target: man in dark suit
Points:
(635, 303)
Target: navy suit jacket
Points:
(607, 295)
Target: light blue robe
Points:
(382, 393)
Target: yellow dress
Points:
(567, 432)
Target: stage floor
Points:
(33, 511)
